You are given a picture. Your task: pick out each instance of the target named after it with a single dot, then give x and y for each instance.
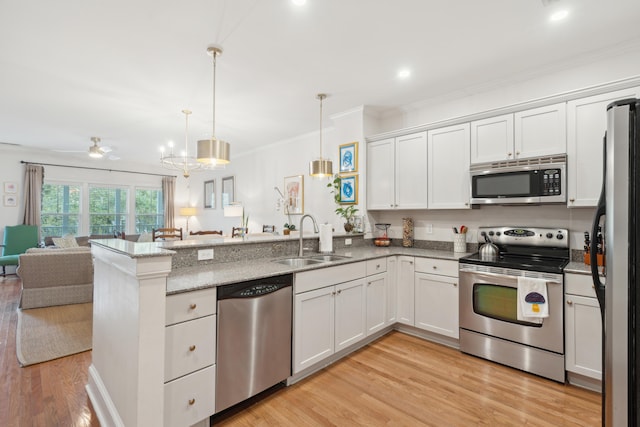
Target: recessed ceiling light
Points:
(559, 15)
(404, 73)
(299, 2)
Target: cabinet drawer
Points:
(190, 305)
(375, 266)
(437, 266)
(190, 399)
(316, 279)
(579, 284)
(189, 346)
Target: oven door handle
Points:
(504, 276)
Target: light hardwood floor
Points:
(398, 380)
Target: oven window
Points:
(498, 302)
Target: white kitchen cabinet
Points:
(541, 131)
(396, 173)
(492, 139)
(376, 302)
(314, 327)
(586, 125)
(392, 289)
(436, 296)
(583, 327)
(350, 312)
(405, 287)
(530, 133)
(448, 167)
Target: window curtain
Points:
(168, 191)
(33, 181)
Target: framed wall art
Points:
(210, 194)
(10, 200)
(294, 194)
(228, 190)
(349, 189)
(10, 187)
(349, 157)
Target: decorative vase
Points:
(407, 232)
(348, 226)
(286, 231)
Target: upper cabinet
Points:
(448, 167)
(396, 173)
(586, 125)
(530, 133)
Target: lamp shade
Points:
(320, 168)
(233, 210)
(188, 211)
(213, 151)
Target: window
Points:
(60, 210)
(149, 210)
(107, 210)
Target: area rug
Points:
(51, 332)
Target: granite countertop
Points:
(193, 278)
(579, 268)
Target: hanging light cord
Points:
(321, 96)
(214, 54)
(186, 140)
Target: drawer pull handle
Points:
(191, 402)
(435, 268)
(339, 291)
(192, 348)
(569, 302)
(192, 306)
(377, 266)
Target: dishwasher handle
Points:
(254, 288)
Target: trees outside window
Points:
(149, 210)
(60, 213)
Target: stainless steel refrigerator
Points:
(618, 214)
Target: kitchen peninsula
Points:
(142, 291)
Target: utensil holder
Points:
(459, 242)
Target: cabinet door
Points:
(313, 327)
(583, 336)
(448, 167)
(381, 174)
(392, 289)
(411, 171)
(586, 124)
(541, 131)
(406, 291)
(376, 302)
(350, 313)
(437, 304)
(492, 139)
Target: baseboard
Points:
(584, 382)
(101, 401)
(426, 335)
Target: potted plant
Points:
(288, 226)
(345, 211)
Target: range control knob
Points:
(549, 235)
(482, 233)
(498, 233)
(559, 236)
(491, 233)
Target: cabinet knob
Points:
(333, 293)
(340, 290)
(569, 302)
(377, 266)
(455, 284)
(192, 348)
(509, 154)
(192, 306)
(410, 262)
(517, 153)
(572, 200)
(435, 267)
(191, 402)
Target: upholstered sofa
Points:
(55, 277)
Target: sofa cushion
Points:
(65, 242)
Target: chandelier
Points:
(213, 151)
(181, 161)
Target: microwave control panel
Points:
(551, 182)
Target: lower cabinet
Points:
(376, 302)
(583, 327)
(405, 290)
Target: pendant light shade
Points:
(321, 167)
(212, 151)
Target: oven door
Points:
(488, 305)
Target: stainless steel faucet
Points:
(315, 229)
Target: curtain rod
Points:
(97, 169)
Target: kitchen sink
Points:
(298, 262)
(327, 258)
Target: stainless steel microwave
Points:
(529, 181)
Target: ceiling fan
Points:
(96, 150)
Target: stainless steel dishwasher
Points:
(254, 338)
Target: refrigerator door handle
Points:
(600, 212)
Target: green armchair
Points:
(17, 239)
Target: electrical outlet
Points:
(347, 242)
(429, 228)
(205, 254)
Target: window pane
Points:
(149, 210)
(60, 209)
(107, 210)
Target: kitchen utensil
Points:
(488, 251)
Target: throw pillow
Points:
(145, 237)
(65, 242)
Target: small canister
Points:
(407, 232)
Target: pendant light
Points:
(321, 167)
(181, 161)
(212, 151)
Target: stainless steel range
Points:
(492, 322)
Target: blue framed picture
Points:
(349, 157)
(349, 189)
